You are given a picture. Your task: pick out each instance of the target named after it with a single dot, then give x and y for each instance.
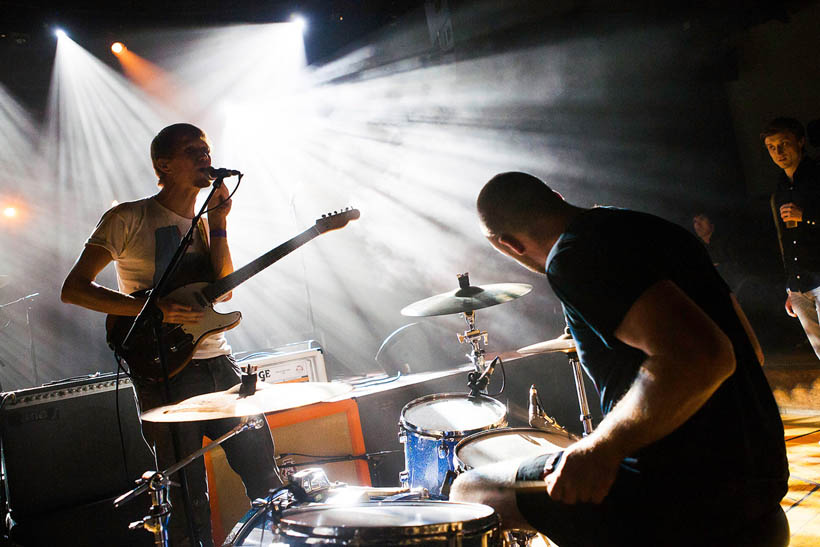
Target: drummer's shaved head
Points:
(512, 202)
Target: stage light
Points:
(299, 21)
(10, 212)
(59, 33)
(117, 48)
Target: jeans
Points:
(250, 453)
(807, 307)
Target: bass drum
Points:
(384, 524)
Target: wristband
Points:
(215, 232)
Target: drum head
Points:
(387, 522)
(505, 444)
(453, 414)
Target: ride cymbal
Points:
(229, 404)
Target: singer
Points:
(796, 212)
(140, 237)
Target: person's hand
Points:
(175, 312)
(217, 216)
(789, 309)
(790, 212)
(584, 474)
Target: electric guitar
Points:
(182, 339)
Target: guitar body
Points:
(180, 340)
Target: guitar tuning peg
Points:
(335, 212)
(324, 216)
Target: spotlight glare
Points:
(9, 212)
(117, 48)
(299, 21)
(59, 33)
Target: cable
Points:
(503, 379)
(238, 182)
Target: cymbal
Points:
(4, 280)
(228, 403)
(564, 344)
(467, 299)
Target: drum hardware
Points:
(540, 419)
(310, 485)
(466, 300)
(288, 462)
(157, 483)
(566, 344)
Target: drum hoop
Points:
(437, 434)
(507, 430)
(245, 524)
(480, 524)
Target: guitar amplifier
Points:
(299, 362)
(61, 444)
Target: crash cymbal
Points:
(228, 403)
(564, 344)
(467, 299)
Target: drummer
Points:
(691, 449)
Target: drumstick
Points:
(529, 485)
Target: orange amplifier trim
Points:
(320, 410)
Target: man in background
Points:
(795, 207)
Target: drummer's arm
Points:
(688, 357)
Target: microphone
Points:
(221, 173)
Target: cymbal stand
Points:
(478, 379)
(586, 417)
(473, 336)
(157, 482)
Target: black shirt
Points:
(801, 245)
(598, 268)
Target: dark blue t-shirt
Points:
(598, 268)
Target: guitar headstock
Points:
(336, 219)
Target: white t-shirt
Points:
(142, 237)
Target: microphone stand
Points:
(151, 314)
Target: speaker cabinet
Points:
(61, 446)
(315, 432)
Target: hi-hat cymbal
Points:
(564, 344)
(228, 403)
(467, 299)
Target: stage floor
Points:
(802, 503)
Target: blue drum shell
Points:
(431, 427)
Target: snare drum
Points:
(386, 524)
(505, 444)
(430, 428)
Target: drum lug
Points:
(404, 478)
(402, 437)
(442, 451)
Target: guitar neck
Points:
(228, 283)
